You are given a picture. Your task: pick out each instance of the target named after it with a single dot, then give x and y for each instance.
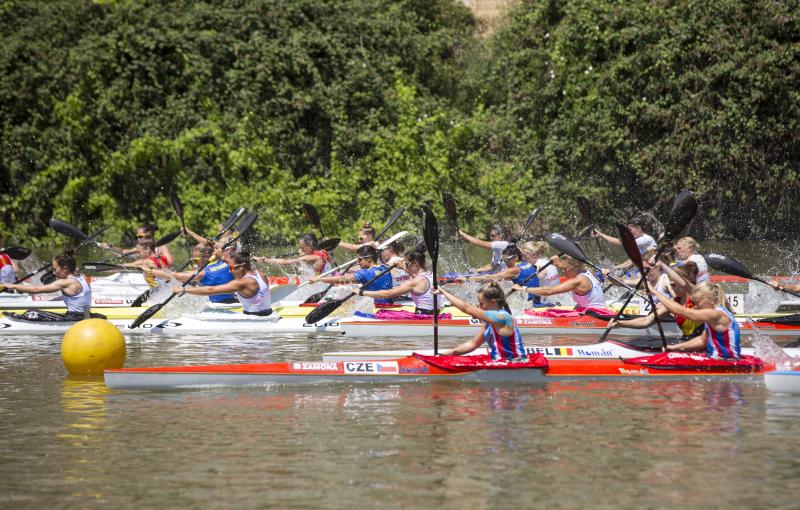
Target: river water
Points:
(71, 443)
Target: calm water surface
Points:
(72, 443)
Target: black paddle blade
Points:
(312, 216)
(48, 278)
(728, 265)
(683, 211)
(564, 245)
(325, 309)
(245, 224)
(450, 209)
(314, 298)
(177, 205)
(233, 218)
(430, 233)
(631, 248)
(68, 229)
(143, 297)
(531, 218)
(149, 313)
(16, 252)
(584, 209)
(394, 217)
(168, 238)
(329, 244)
(102, 267)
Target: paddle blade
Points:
(329, 244)
(100, 267)
(243, 226)
(531, 218)
(312, 216)
(393, 218)
(16, 252)
(564, 245)
(683, 211)
(233, 218)
(584, 209)
(314, 298)
(631, 248)
(325, 309)
(177, 205)
(450, 209)
(48, 278)
(728, 265)
(281, 292)
(168, 238)
(430, 233)
(149, 313)
(62, 227)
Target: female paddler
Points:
(310, 254)
(249, 286)
(500, 332)
(418, 286)
(145, 232)
(368, 262)
(75, 290)
(586, 290)
(146, 251)
(366, 237)
(8, 267)
(519, 271)
(217, 272)
(499, 238)
(720, 337)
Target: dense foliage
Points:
(361, 106)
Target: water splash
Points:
(772, 353)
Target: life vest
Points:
(217, 273)
(325, 256)
(689, 328)
(528, 270)
(362, 276)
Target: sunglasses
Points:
(233, 266)
(140, 236)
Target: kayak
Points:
(366, 327)
(783, 381)
(214, 322)
(411, 368)
(609, 350)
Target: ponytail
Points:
(493, 292)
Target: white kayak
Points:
(218, 322)
(783, 381)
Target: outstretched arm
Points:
(475, 240)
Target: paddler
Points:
(366, 237)
(720, 337)
(518, 271)
(686, 248)
(217, 272)
(392, 255)
(499, 238)
(249, 286)
(644, 241)
(8, 266)
(500, 332)
(535, 252)
(369, 268)
(655, 275)
(418, 286)
(75, 290)
(145, 232)
(683, 279)
(582, 284)
(310, 255)
(216, 243)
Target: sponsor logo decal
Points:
(550, 351)
(316, 366)
(633, 371)
(5, 326)
(415, 370)
(371, 367)
(168, 324)
(110, 301)
(534, 322)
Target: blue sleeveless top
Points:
(526, 269)
(217, 273)
(383, 283)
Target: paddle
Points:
(244, 226)
(168, 238)
(539, 270)
(585, 211)
(68, 229)
(327, 245)
(325, 309)
(451, 211)
(629, 243)
(101, 267)
(531, 217)
(177, 206)
(314, 298)
(312, 216)
(733, 267)
(683, 211)
(281, 292)
(16, 252)
(430, 233)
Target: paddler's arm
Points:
(56, 286)
(697, 343)
(467, 347)
(709, 315)
(639, 322)
(790, 287)
(341, 279)
(468, 308)
(197, 237)
(567, 286)
(675, 277)
(506, 274)
(613, 240)
(474, 240)
(210, 290)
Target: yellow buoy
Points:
(91, 346)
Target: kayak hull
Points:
(783, 381)
(293, 373)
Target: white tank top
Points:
(549, 277)
(424, 300)
(399, 276)
(261, 300)
(82, 301)
(593, 298)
